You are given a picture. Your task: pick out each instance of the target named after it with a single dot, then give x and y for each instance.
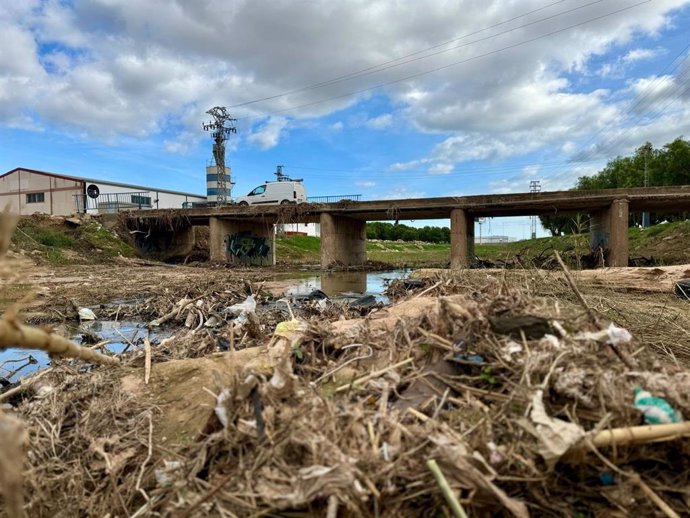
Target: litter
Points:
(656, 410)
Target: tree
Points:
(667, 166)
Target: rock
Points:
(75, 222)
(682, 289)
(533, 327)
(316, 295)
(367, 301)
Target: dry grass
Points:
(95, 444)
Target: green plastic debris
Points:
(656, 410)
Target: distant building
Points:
(27, 191)
(486, 240)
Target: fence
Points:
(113, 202)
(334, 199)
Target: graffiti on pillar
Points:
(248, 247)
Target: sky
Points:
(387, 99)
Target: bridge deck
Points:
(640, 199)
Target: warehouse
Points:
(27, 191)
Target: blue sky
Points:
(476, 97)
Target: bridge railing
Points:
(334, 199)
(113, 202)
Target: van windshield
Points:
(259, 190)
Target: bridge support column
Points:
(241, 242)
(609, 230)
(343, 241)
(461, 238)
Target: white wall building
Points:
(27, 191)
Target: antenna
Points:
(220, 127)
(282, 177)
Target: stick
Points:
(453, 502)
(442, 343)
(430, 288)
(147, 360)
(13, 334)
(422, 417)
(373, 375)
(641, 434)
(663, 506)
(332, 511)
(573, 286)
(590, 313)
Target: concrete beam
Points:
(609, 231)
(461, 238)
(241, 242)
(343, 241)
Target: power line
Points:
(637, 103)
(398, 61)
(436, 69)
(417, 174)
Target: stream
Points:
(18, 363)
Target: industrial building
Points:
(27, 191)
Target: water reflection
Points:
(336, 284)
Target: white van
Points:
(275, 192)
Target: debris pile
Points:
(483, 400)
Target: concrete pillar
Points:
(609, 230)
(343, 241)
(619, 251)
(241, 242)
(461, 238)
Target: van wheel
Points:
(285, 202)
(243, 204)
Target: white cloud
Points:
(400, 193)
(129, 68)
(404, 166)
(618, 67)
(639, 55)
(440, 168)
(380, 122)
(268, 135)
(365, 185)
(337, 126)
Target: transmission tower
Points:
(534, 186)
(220, 127)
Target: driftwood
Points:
(14, 334)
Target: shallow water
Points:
(119, 333)
(348, 284)
(343, 285)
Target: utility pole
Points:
(220, 127)
(645, 215)
(534, 187)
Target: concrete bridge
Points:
(246, 234)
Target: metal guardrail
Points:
(113, 202)
(334, 199)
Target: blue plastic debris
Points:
(656, 410)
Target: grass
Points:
(101, 238)
(61, 244)
(44, 236)
(667, 243)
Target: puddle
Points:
(119, 333)
(348, 284)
